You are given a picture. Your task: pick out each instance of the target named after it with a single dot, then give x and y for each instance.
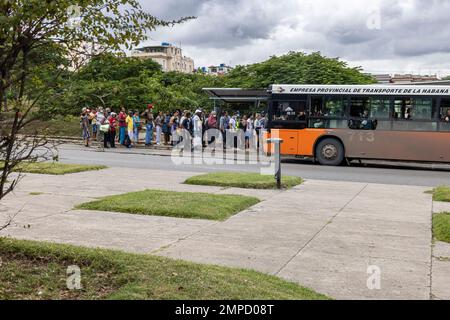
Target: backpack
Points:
(127, 141)
(187, 124)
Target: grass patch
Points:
(37, 270)
(68, 126)
(443, 259)
(441, 193)
(174, 204)
(441, 226)
(242, 180)
(36, 193)
(55, 168)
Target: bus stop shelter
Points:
(237, 96)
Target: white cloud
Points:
(408, 35)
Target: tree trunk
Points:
(8, 154)
(2, 98)
(23, 77)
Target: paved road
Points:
(369, 173)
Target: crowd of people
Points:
(110, 128)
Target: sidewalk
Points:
(323, 234)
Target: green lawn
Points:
(174, 204)
(68, 126)
(55, 168)
(441, 193)
(242, 180)
(37, 270)
(441, 226)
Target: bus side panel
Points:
(307, 139)
(297, 142)
(290, 140)
(396, 145)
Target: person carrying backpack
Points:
(136, 127)
(112, 129)
(174, 127)
(166, 128)
(187, 123)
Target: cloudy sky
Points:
(382, 36)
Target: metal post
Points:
(277, 142)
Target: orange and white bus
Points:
(332, 123)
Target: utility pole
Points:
(277, 142)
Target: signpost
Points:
(277, 142)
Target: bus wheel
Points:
(330, 152)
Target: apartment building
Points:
(404, 78)
(219, 70)
(411, 78)
(168, 56)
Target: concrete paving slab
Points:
(109, 230)
(441, 279)
(322, 234)
(233, 252)
(401, 248)
(441, 250)
(441, 271)
(345, 276)
(439, 206)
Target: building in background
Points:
(168, 56)
(403, 78)
(411, 78)
(382, 78)
(219, 70)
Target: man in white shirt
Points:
(233, 123)
(197, 128)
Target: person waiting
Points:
(446, 118)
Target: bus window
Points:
(316, 106)
(289, 111)
(370, 108)
(445, 110)
(364, 112)
(327, 112)
(413, 109)
(379, 108)
(330, 107)
(402, 108)
(359, 107)
(422, 109)
(334, 107)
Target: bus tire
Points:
(330, 152)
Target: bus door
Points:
(288, 117)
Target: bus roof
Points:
(385, 90)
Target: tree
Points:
(296, 68)
(113, 80)
(446, 78)
(27, 26)
(116, 67)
